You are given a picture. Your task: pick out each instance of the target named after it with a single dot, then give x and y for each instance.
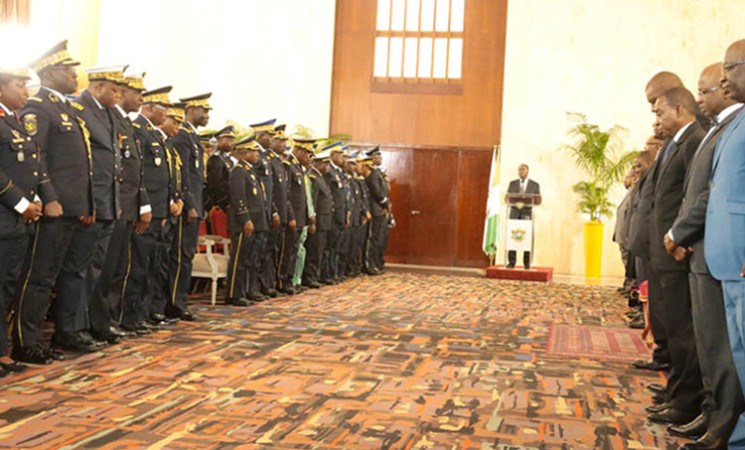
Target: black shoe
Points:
(87, 337)
(510, 266)
(107, 337)
(527, 266)
(706, 442)
(657, 388)
(658, 399)
(650, 365)
(256, 297)
(693, 429)
(189, 316)
(140, 328)
(637, 324)
(3, 373)
(13, 367)
(75, 342)
(36, 354)
(672, 416)
(312, 284)
(288, 291)
(54, 354)
(238, 302)
(657, 408)
(158, 317)
(271, 293)
(117, 331)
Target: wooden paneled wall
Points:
(436, 147)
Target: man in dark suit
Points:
(97, 103)
(668, 280)
(324, 208)
(149, 250)
(379, 209)
(186, 232)
(55, 257)
(248, 221)
(23, 174)
(522, 185)
(723, 397)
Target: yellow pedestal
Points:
(593, 251)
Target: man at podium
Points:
(523, 185)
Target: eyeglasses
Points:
(729, 66)
(707, 91)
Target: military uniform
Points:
(316, 243)
(330, 270)
(359, 223)
(23, 179)
(144, 281)
(291, 239)
(248, 203)
(217, 189)
(186, 234)
(266, 171)
(107, 178)
(281, 204)
(57, 257)
(378, 189)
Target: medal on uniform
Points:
(29, 123)
(255, 191)
(158, 161)
(21, 156)
(65, 117)
(127, 154)
(196, 163)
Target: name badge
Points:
(21, 157)
(158, 161)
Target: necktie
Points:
(522, 186)
(667, 151)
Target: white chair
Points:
(211, 265)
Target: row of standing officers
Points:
(100, 214)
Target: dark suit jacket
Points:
(378, 192)
(298, 195)
(335, 180)
(161, 189)
(669, 177)
(280, 189)
(531, 188)
(322, 201)
(217, 190)
(688, 228)
(21, 177)
(247, 199)
(186, 142)
(106, 156)
(132, 194)
(60, 137)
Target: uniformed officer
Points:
(330, 272)
(379, 207)
(324, 208)
(301, 150)
(266, 133)
(105, 310)
(57, 256)
(249, 223)
(359, 217)
(364, 167)
(143, 299)
(218, 169)
(96, 109)
(310, 227)
(23, 179)
(186, 234)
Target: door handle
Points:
(415, 212)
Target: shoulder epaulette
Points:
(183, 128)
(312, 176)
(35, 99)
(286, 162)
(136, 125)
(77, 106)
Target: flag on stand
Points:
(491, 224)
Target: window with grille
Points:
(419, 43)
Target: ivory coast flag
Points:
(491, 224)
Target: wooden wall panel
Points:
(470, 119)
(473, 182)
(399, 166)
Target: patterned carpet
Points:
(396, 361)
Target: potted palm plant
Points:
(598, 153)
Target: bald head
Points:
(711, 98)
(733, 71)
(661, 83)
